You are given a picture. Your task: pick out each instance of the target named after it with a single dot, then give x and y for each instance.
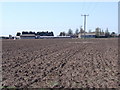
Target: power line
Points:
(84, 22)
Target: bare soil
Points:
(60, 63)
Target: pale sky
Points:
(56, 16)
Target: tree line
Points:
(70, 33)
(98, 32)
(38, 33)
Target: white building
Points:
(17, 37)
(27, 36)
(87, 35)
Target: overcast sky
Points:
(56, 16)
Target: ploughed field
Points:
(60, 63)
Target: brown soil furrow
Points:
(64, 61)
(65, 53)
(45, 51)
(60, 63)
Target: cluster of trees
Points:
(38, 33)
(106, 33)
(70, 33)
(98, 32)
(45, 33)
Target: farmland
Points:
(60, 63)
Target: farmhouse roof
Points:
(91, 33)
(27, 35)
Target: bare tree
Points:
(102, 32)
(62, 34)
(81, 30)
(90, 31)
(97, 31)
(77, 31)
(107, 33)
(70, 32)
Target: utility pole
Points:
(84, 22)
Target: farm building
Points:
(17, 37)
(27, 36)
(44, 37)
(51, 37)
(87, 35)
(101, 36)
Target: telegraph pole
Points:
(84, 22)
